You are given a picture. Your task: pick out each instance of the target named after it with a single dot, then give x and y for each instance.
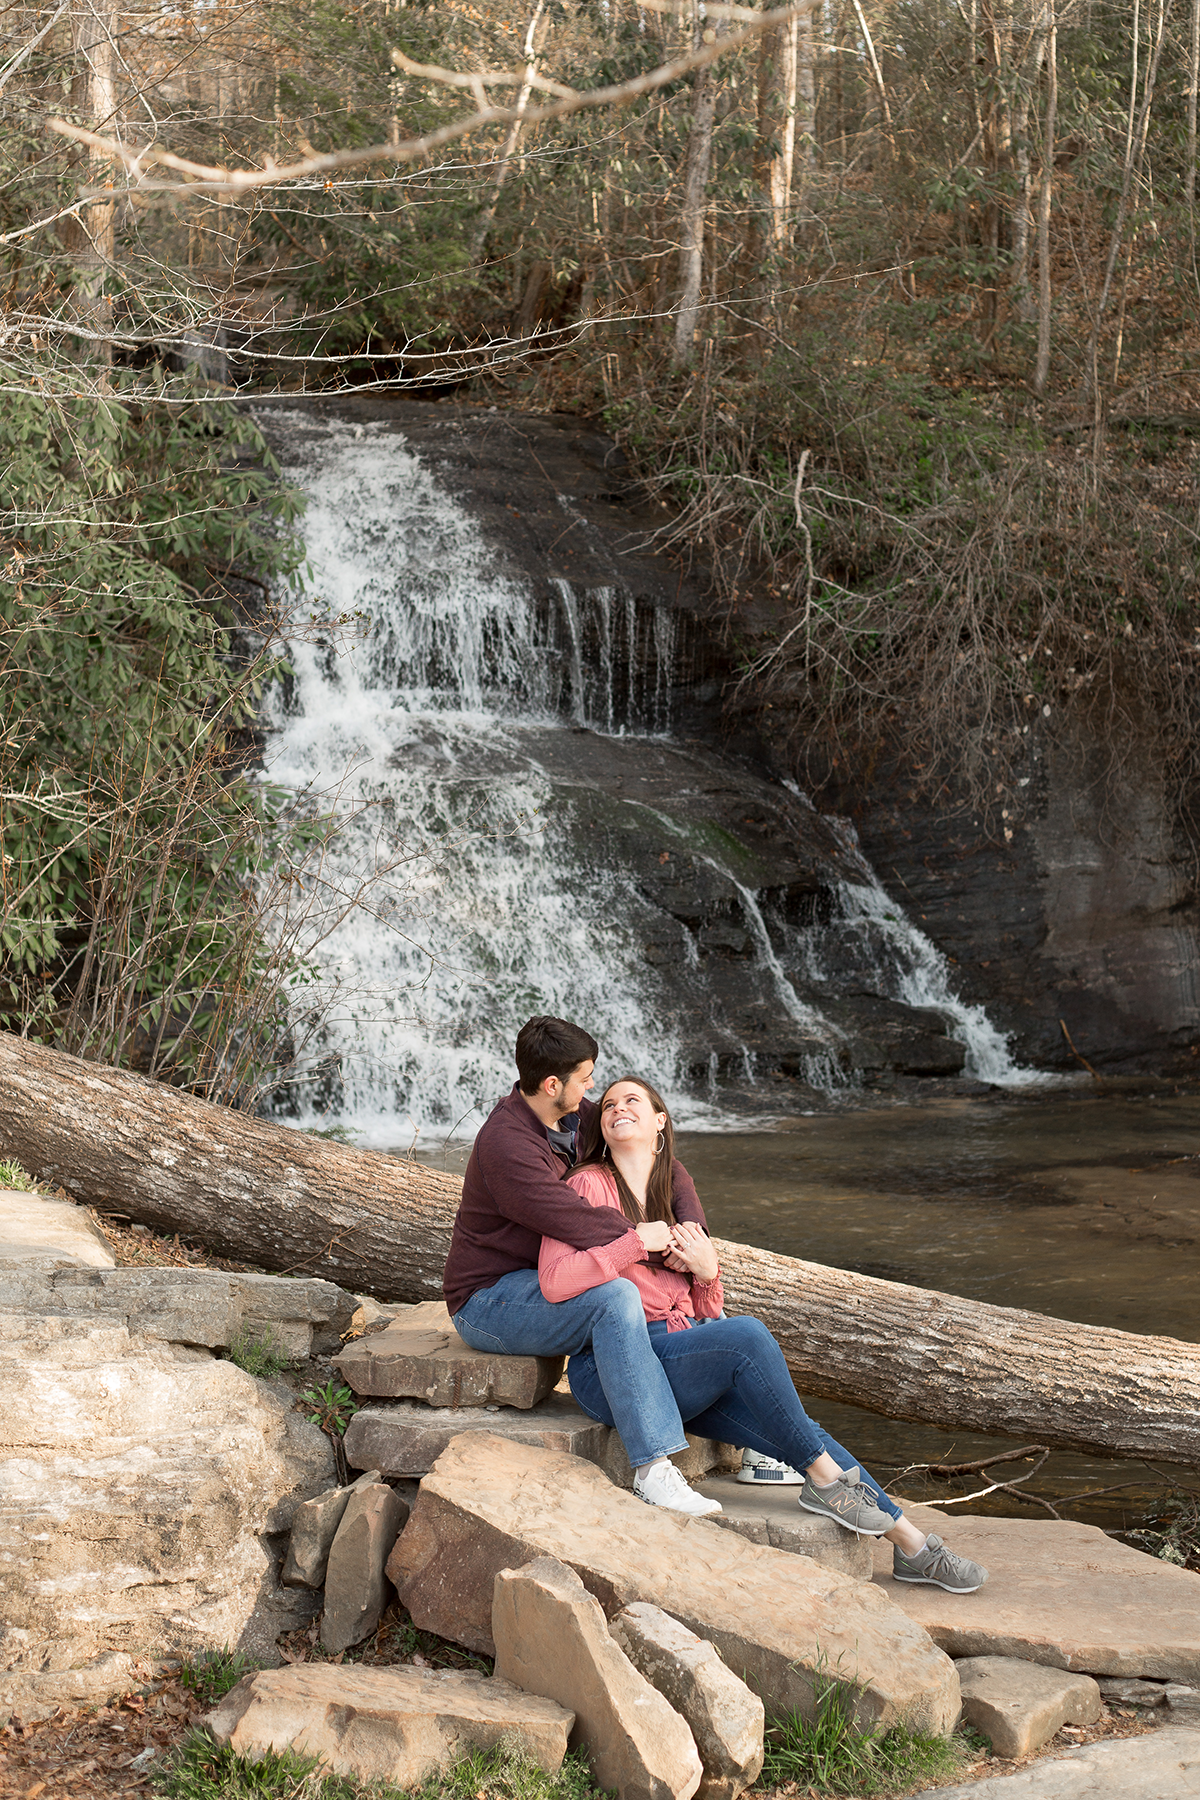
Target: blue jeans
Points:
(607, 1323)
(730, 1382)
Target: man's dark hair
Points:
(548, 1046)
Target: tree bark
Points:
(1045, 196)
(695, 199)
(93, 238)
(295, 1203)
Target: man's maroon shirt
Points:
(514, 1195)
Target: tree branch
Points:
(213, 178)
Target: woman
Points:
(728, 1376)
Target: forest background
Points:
(893, 306)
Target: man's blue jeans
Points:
(608, 1323)
(730, 1382)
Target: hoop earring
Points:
(661, 1144)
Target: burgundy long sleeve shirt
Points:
(514, 1195)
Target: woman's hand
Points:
(692, 1251)
(655, 1234)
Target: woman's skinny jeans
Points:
(730, 1382)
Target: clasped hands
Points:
(686, 1249)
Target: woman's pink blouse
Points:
(564, 1272)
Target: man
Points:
(513, 1196)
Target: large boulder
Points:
(144, 1490)
(779, 1621)
(36, 1231)
(723, 1715)
(552, 1638)
(399, 1726)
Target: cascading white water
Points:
(453, 912)
(910, 968)
(460, 895)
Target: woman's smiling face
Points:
(627, 1116)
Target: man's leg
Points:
(514, 1319)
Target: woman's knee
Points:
(748, 1334)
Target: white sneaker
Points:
(665, 1486)
(767, 1471)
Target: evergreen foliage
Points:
(140, 539)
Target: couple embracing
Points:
(581, 1235)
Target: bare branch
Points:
(485, 78)
(212, 178)
(14, 62)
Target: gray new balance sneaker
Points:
(939, 1567)
(847, 1501)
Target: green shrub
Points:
(334, 1407)
(263, 1356)
(212, 1673)
(12, 1175)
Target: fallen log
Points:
(298, 1204)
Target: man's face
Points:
(574, 1088)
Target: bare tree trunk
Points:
(379, 1224)
(876, 72)
(93, 95)
(1189, 173)
(695, 190)
(1045, 197)
(533, 38)
(783, 162)
(1134, 154)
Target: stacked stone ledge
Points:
(428, 1386)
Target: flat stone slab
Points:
(779, 1621)
(209, 1308)
(37, 1230)
(1162, 1765)
(420, 1356)
(771, 1516)
(723, 1715)
(1127, 1690)
(406, 1437)
(552, 1638)
(1019, 1706)
(1058, 1593)
(397, 1725)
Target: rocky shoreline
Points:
(161, 1502)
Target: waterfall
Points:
(910, 968)
(449, 907)
(431, 706)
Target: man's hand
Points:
(655, 1234)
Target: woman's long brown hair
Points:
(661, 1182)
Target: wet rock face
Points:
(1088, 917)
(717, 870)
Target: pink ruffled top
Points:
(564, 1272)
